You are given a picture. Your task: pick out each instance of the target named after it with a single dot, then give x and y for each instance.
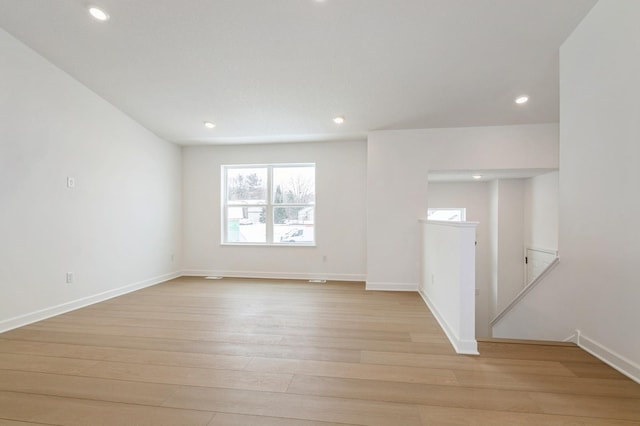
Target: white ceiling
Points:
(280, 70)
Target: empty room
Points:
(319, 212)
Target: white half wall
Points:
(340, 213)
(595, 287)
(118, 229)
(474, 196)
(397, 168)
(448, 279)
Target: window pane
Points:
(294, 185)
(283, 193)
(246, 225)
(451, 215)
(293, 234)
(293, 225)
(247, 186)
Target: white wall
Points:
(510, 241)
(340, 213)
(448, 279)
(595, 287)
(541, 211)
(474, 196)
(397, 167)
(118, 227)
(522, 212)
(493, 243)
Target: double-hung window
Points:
(268, 204)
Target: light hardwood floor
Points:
(259, 352)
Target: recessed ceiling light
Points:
(338, 120)
(476, 177)
(99, 14)
(522, 99)
(209, 125)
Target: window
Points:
(449, 214)
(269, 204)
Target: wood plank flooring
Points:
(266, 352)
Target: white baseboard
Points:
(608, 356)
(22, 320)
(388, 286)
(573, 338)
(467, 347)
(274, 275)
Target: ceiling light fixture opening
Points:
(522, 99)
(209, 125)
(99, 14)
(476, 177)
(338, 120)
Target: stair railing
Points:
(526, 290)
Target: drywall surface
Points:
(397, 168)
(448, 279)
(541, 211)
(510, 241)
(474, 197)
(595, 287)
(340, 213)
(493, 243)
(119, 227)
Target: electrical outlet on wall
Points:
(69, 277)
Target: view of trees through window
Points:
(456, 214)
(269, 204)
(247, 184)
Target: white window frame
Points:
(268, 206)
(462, 210)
